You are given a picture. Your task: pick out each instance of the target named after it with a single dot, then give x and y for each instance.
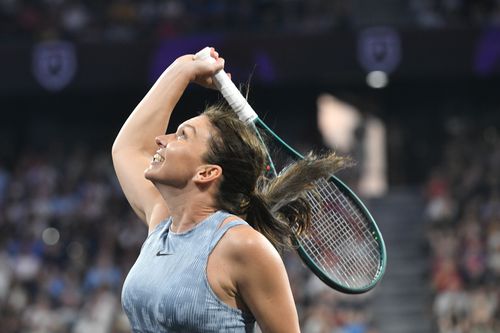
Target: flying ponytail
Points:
(278, 207)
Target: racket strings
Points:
(339, 240)
(346, 246)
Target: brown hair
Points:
(276, 207)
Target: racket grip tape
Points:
(227, 88)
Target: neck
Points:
(188, 207)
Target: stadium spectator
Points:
(464, 221)
(126, 20)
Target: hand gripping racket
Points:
(343, 245)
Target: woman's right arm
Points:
(135, 144)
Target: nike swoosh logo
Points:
(163, 254)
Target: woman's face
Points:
(181, 153)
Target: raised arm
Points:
(135, 144)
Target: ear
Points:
(207, 173)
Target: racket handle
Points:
(227, 88)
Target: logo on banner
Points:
(379, 49)
(54, 64)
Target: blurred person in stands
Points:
(344, 128)
(209, 263)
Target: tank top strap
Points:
(221, 230)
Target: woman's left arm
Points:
(262, 282)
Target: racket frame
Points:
(306, 258)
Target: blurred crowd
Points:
(68, 239)
(455, 13)
(463, 213)
(125, 20)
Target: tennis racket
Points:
(343, 245)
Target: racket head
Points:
(331, 221)
(347, 252)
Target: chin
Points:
(149, 174)
(153, 176)
(156, 176)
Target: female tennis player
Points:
(210, 261)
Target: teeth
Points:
(158, 158)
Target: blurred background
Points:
(410, 89)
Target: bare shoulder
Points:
(245, 245)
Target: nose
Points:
(161, 141)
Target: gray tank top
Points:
(167, 289)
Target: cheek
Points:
(180, 163)
(180, 156)
(192, 151)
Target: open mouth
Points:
(157, 158)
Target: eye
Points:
(181, 135)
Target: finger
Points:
(214, 54)
(219, 64)
(209, 83)
(229, 75)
